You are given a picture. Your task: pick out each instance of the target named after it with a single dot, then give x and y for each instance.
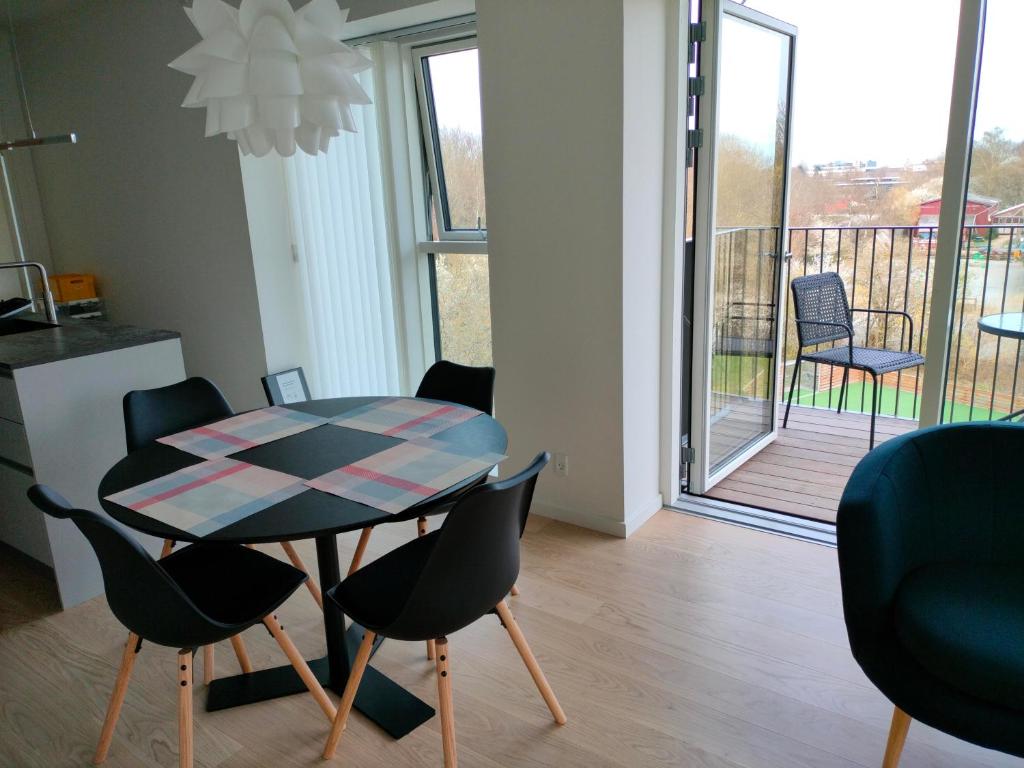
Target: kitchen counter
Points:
(73, 338)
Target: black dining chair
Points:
(154, 413)
(194, 597)
(823, 315)
(454, 383)
(440, 583)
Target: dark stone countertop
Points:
(72, 338)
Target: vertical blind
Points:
(339, 227)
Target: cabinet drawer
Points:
(10, 408)
(14, 443)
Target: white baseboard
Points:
(618, 528)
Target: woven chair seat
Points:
(877, 361)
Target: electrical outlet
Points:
(562, 464)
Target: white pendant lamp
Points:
(271, 77)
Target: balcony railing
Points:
(883, 268)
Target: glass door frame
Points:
(702, 478)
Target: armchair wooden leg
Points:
(357, 558)
(531, 662)
(515, 591)
(421, 530)
(311, 585)
(117, 697)
(185, 708)
(207, 664)
(300, 665)
(242, 654)
(444, 704)
(349, 696)
(897, 738)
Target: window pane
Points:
(463, 308)
(455, 86)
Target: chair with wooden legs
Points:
(462, 384)
(195, 597)
(153, 413)
(440, 583)
(930, 535)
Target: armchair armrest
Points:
(906, 316)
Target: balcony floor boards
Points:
(804, 471)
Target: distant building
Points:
(978, 213)
(1009, 217)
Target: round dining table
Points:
(310, 514)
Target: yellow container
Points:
(72, 287)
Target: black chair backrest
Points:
(820, 298)
(140, 593)
(475, 562)
(462, 384)
(153, 413)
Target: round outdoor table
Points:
(310, 514)
(1009, 325)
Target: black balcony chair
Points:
(930, 534)
(197, 596)
(153, 413)
(453, 383)
(823, 314)
(442, 582)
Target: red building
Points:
(978, 214)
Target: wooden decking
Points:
(805, 470)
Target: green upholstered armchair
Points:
(931, 559)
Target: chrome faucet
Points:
(51, 310)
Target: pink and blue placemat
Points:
(410, 472)
(404, 417)
(209, 496)
(246, 430)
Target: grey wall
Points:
(146, 203)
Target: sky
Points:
(873, 77)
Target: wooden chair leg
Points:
(311, 585)
(207, 664)
(444, 704)
(168, 546)
(421, 530)
(897, 738)
(531, 662)
(349, 696)
(300, 665)
(131, 650)
(241, 654)
(515, 591)
(357, 558)
(185, 708)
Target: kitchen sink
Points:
(12, 325)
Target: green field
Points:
(907, 408)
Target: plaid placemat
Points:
(404, 417)
(209, 496)
(246, 430)
(395, 479)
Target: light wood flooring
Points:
(693, 643)
(803, 472)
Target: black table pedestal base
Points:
(382, 700)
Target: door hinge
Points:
(688, 455)
(695, 86)
(695, 138)
(698, 32)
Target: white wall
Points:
(146, 203)
(574, 182)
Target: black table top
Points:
(307, 455)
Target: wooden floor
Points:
(805, 470)
(693, 643)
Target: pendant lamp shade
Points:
(271, 77)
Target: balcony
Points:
(804, 471)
